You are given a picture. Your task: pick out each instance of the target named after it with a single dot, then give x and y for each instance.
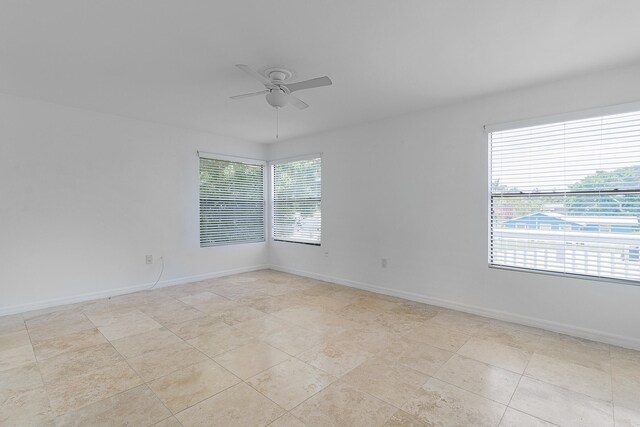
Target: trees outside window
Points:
(231, 202)
(297, 198)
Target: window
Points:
(231, 201)
(296, 201)
(582, 176)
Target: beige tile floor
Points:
(268, 348)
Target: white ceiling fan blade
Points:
(298, 103)
(253, 73)
(308, 84)
(248, 95)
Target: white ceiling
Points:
(172, 61)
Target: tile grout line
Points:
(374, 355)
(144, 382)
(173, 415)
(568, 389)
(467, 391)
(336, 379)
(113, 395)
(514, 391)
(44, 385)
(240, 380)
(39, 362)
(289, 358)
(492, 364)
(613, 404)
(137, 373)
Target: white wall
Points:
(414, 190)
(85, 196)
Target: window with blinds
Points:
(231, 202)
(296, 201)
(565, 197)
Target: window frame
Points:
(265, 190)
(272, 202)
(538, 121)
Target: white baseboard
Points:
(21, 308)
(564, 328)
(590, 334)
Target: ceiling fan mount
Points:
(278, 74)
(277, 88)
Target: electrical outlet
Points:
(149, 259)
(326, 254)
(383, 262)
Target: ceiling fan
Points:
(278, 91)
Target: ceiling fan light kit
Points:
(277, 98)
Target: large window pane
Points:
(296, 201)
(231, 202)
(565, 197)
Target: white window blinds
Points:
(565, 197)
(231, 202)
(296, 201)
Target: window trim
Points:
(265, 191)
(488, 129)
(224, 157)
(591, 113)
(309, 156)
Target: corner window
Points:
(576, 185)
(232, 206)
(296, 201)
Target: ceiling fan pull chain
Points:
(277, 124)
